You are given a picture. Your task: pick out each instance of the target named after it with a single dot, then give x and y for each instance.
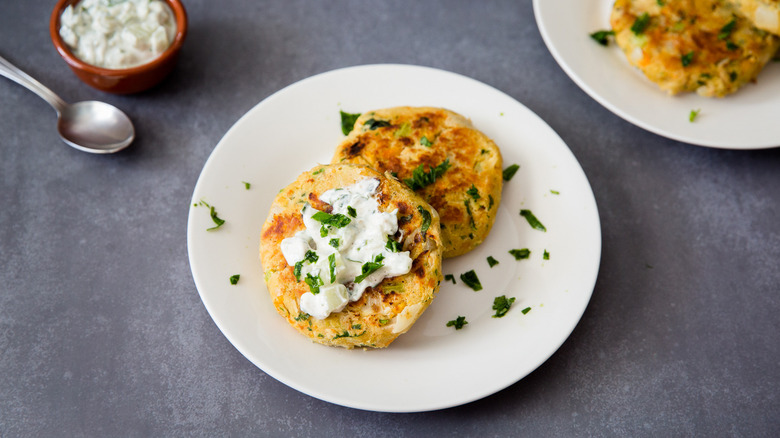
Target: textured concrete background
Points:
(102, 332)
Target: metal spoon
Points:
(91, 126)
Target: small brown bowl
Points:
(128, 80)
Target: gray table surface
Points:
(102, 331)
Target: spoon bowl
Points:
(91, 126)
(95, 127)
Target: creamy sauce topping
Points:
(118, 34)
(341, 254)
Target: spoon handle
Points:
(13, 73)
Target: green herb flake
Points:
(731, 46)
(426, 217)
(383, 321)
(234, 279)
(555, 192)
(726, 30)
(357, 326)
(501, 305)
(348, 121)
(457, 323)
(332, 267)
(311, 256)
(213, 212)
(473, 192)
(640, 24)
(302, 316)
(471, 280)
(297, 270)
(602, 36)
(392, 245)
(346, 334)
(318, 171)
(420, 178)
(526, 310)
(369, 268)
(693, 114)
(334, 243)
(314, 283)
(490, 202)
(425, 142)
(471, 217)
(334, 220)
(510, 171)
(546, 255)
(687, 59)
(520, 254)
(247, 185)
(351, 211)
(373, 124)
(532, 220)
(491, 261)
(450, 277)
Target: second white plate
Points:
(744, 120)
(432, 366)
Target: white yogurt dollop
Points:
(118, 34)
(341, 254)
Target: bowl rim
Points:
(179, 13)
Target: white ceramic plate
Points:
(432, 366)
(744, 120)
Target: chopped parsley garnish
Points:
(420, 178)
(372, 124)
(392, 245)
(687, 59)
(471, 217)
(520, 254)
(383, 321)
(369, 268)
(733, 76)
(501, 305)
(234, 279)
(425, 142)
(510, 171)
(602, 36)
(731, 46)
(473, 192)
(357, 326)
(351, 211)
(490, 202)
(337, 220)
(332, 267)
(348, 121)
(219, 222)
(526, 310)
(314, 283)
(450, 277)
(532, 220)
(457, 323)
(297, 270)
(334, 243)
(546, 255)
(346, 334)
(426, 216)
(640, 24)
(726, 30)
(318, 171)
(491, 261)
(247, 185)
(471, 280)
(693, 114)
(555, 192)
(302, 316)
(311, 256)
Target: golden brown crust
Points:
(383, 312)
(474, 161)
(690, 45)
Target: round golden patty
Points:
(692, 45)
(441, 156)
(384, 311)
